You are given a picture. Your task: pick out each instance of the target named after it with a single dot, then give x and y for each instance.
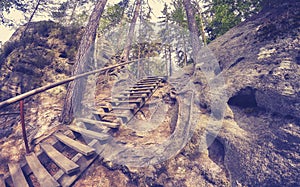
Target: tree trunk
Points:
(202, 28)
(139, 47)
(131, 31)
(194, 31)
(139, 68)
(170, 60)
(74, 92)
(184, 51)
(166, 59)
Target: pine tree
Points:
(222, 15)
(166, 36)
(130, 35)
(193, 29)
(74, 92)
(181, 34)
(113, 16)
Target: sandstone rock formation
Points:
(44, 55)
(261, 65)
(254, 140)
(248, 130)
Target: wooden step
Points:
(146, 84)
(101, 123)
(63, 162)
(76, 145)
(89, 133)
(136, 92)
(106, 107)
(157, 77)
(150, 81)
(2, 182)
(84, 162)
(118, 102)
(151, 78)
(140, 89)
(127, 107)
(94, 127)
(17, 175)
(42, 175)
(101, 115)
(142, 96)
(139, 85)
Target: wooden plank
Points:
(140, 89)
(118, 102)
(127, 107)
(76, 145)
(106, 107)
(151, 78)
(63, 162)
(142, 96)
(120, 117)
(158, 76)
(42, 175)
(96, 122)
(67, 180)
(162, 78)
(149, 81)
(103, 114)
(41, 155)
(17, 175)
(89, 133)
(143, 85)
(134, 93)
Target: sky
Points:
(6, 32)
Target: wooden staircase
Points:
(71, 152)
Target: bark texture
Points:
(194, 31)
(74, 93)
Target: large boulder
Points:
(42, 55)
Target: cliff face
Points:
(260, 61)
(263, 53)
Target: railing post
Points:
(23, 126)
